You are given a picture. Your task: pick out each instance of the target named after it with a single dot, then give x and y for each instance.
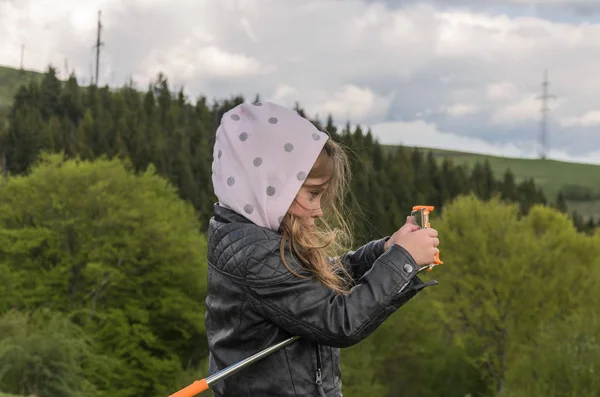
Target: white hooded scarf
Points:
(263, 153)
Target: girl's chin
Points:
(308, 222)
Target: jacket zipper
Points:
(319, 374)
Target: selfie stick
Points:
(202, 385)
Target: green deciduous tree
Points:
(120, 253)
(509, 276)
(44, 354)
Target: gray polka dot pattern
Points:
(248, 145)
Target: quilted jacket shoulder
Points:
(246, 251)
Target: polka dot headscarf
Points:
(262, 155)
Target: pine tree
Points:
(50, 94)
(590, 225)
(561, 203)
(331, 128)
(508, 187)
(3, 144)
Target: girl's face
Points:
(307, 204)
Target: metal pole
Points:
(202, 385)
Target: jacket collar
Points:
(227, 215)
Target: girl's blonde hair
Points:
(318, 247)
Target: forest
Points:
(104, 203)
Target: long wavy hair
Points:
(318, 246)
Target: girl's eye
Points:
(314, 194)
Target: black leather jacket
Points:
(254, 301)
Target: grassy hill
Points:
(10, 81)
(550, 175)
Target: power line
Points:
(98, 45)
(544, 120)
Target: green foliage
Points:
(412, 355)
(580, 193)
(10, 81)
(563, 361)
(120, 253)
(45, 354)
(550, 175)
(513, 315)
(509, 276)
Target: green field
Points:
(550, 175)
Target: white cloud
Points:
(557, 2)
(355, 59)
(350, 102)
(186, 61)
(505, 90)
(589, 119)
(462, 109)
(423, 134)
(284, 94)
(523, 109)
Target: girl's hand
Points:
(421, 244)
(408, 227)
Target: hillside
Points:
(10, 81)
(550, 175)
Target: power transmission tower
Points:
(22, 54)
(98, 45)
(544, 121)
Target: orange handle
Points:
(426, 209)
(423, 207)
(437, 261)
(197, 387)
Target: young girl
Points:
(273, 271)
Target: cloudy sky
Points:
(458, 74)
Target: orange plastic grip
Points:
(197, 387)
(421, 207)
(427, 209)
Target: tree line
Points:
(164, 128)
